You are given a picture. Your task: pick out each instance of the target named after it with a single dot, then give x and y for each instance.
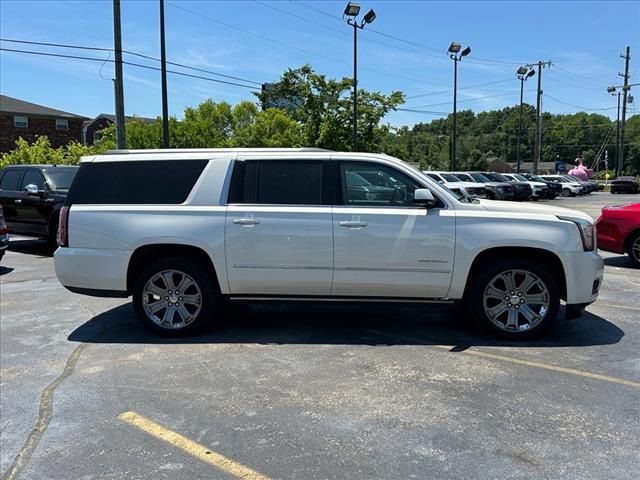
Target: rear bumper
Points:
(584, 271)
(91, 269)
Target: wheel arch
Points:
(543, 256)
(146, 254)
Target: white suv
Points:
(183, 230)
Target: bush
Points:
(41, 151)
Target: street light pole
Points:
(454, 48)
(352, 10)
(119, 87)
(523, 74)
(355, 87)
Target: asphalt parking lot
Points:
(314, 391)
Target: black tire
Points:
(633, 249)
(566, 192)
(487, 274)
(204, 281)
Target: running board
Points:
(276, 298)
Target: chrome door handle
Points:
(18, 201)
(246, 222)
(353, 224)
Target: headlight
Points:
(587, 232)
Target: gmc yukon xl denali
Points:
(182, 231)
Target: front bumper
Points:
(583, 272)
(504, 194)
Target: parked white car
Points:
(569, 188)
(182, 230)
(539, 189)
(449, 180)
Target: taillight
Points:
(63, 227)
(4, 229)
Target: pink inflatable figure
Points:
(580, 171)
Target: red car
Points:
(619, 230)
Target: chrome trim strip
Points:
(283, 267)
(347, 269)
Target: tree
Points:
(323, 109)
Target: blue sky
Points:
(582, 39)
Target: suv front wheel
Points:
(514, 297)
(175, 297)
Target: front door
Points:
(278, 230)
(384, 246)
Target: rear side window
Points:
(10, 179)
(277, 182)
(141, 182)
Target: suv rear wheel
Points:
(566, 192)
(175, 297)
(514, 297)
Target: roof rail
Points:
(213, 150)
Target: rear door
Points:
(278, 237)
(384, 245)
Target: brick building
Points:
(29, 120)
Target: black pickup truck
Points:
(32, 195)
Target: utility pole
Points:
(625, 90)
(117, 40)
(163, 65)
(538, 144)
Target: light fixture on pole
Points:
(523, 74)
(456, 55)
(352, 10)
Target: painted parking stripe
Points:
(517, 361)
(201, 452)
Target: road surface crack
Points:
(45, 413)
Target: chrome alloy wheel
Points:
(171, 299)
(635, 250)
(516, 300)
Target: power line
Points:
(284, 44)
(421, 111)
(573, 85)
(148, 67)
(462, 88)
(580, 78)
(128, 52)
(579, 106)
(439, 51)
(466, 100)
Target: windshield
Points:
(478, 177)
(496, 177)
(536, 178)
(60, 178)
(450, 178)
(357, 180)
(519, 177)
(464, 177)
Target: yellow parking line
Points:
(528, 363)
(192, 448)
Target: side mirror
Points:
(32, 189)
(423, 196)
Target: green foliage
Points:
(324, 109)
(41, 151)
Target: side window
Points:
(435, 177)
(33, 177)
(279, 182)
(375, 185)
(10, 179)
